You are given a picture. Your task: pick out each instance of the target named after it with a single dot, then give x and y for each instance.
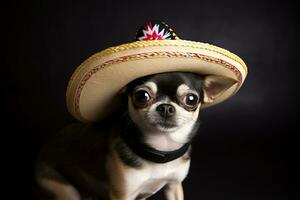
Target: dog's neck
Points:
(135, 140)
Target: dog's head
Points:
(169, 103)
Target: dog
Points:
(144, 147)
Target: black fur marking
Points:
(129, 130)
(127, 156)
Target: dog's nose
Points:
(166, 110)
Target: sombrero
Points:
(93, 90)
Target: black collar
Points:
(148, 153)
(134, 140)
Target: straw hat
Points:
(93, 90)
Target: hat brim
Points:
(93, 90)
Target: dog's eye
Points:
(141, 97)
(191, 99)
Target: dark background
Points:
(242, 148)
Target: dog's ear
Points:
(214, 86)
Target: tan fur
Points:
(61, 191)
(115, 168)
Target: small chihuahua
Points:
(138, 151)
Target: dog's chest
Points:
(152, 177)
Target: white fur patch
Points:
(152, 86)
(182, 89)
(154, 176)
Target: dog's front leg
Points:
(174, 191)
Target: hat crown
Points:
(155, 30)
